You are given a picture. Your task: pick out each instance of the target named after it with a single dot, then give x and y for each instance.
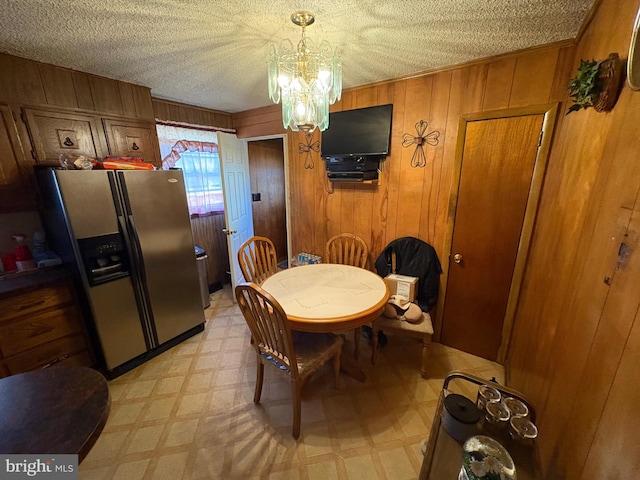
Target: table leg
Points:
(349, 365)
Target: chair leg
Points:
(426, 340)
(356, 342)
(374, 346)
(259, 378)
(296, 388)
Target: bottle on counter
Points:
(23, 258)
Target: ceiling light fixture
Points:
(306, 80)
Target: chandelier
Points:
(304, 79)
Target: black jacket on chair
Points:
(414, 258)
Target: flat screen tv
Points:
(356, 133)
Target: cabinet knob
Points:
(457, 258)
(135, 146)
(68, 142)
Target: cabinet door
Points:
(133, 139)
(15, 191)
(54, 133)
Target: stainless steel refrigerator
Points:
(127, 236)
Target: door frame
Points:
(287, 197)
(550, 112)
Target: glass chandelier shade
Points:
(305, 79)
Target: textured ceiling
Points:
(212, 53)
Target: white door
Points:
(234, 165)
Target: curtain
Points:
(195, 152)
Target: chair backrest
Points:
(269, 327)
(347, 249)
(257, 259)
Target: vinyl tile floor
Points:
(189, 413)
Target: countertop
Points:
(18, 282)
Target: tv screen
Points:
(364, 131)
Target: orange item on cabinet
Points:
(124, 158)
(124, 165)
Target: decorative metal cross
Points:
(432, 138)
(307, 147)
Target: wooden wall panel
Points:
(142, 101)
(346, 190)
(27, 82)
(393, 163)
(434, 200)
(128, 101)
(179, 112)
(20, 79)
(533, 78)
(572, 338)
(412, 179)
(258, 122)
(207, 233)
(379, 214)
(475, 82)
(82, 90)
(106, 95)
(58, 86)
(616, 437)
(499, 81)
(363, 197)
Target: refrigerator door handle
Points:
(149, 337)
(142, 276)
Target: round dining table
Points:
(56, 410)
(327, 297)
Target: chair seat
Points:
(424, 327)
(313, 349)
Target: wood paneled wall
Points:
(26, 82)
(207, 233)
(577, 334)
(415, 201)
(179, 112)
(576, 337)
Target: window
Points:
(195, 152)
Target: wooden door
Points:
(498, 160)
(133, 139)
(54, 133)
(234, 166)
(266, 169)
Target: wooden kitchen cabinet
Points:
(133, 139)
(55, 132)
(41, 327)
(15, 190)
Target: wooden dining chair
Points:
(422, 330)
(258, 260)
(348, 249)
(295, 355)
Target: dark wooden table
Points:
(57, 410)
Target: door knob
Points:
(457, 258)
(229, 232)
